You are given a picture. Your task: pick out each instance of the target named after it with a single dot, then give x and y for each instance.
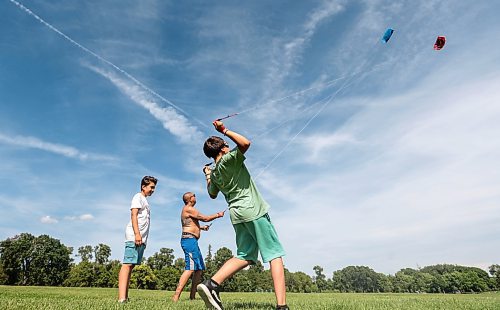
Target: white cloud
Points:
(315, 144)
(83, 217)
(64, 150)
(86, 217)
(47, 219)
(290, 52)
(172, 121)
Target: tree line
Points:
(43, 260)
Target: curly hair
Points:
(212, 146)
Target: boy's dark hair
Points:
(148, 179)
(212, 146)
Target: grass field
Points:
(99, 298)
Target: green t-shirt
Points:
(230, 176)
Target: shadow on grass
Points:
(250, 305)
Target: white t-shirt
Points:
(139, 202)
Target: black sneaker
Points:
(282, 307)
(210, 295)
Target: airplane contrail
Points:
(25, 9)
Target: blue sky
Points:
(384, 155)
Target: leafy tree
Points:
(3, 276)
(455, 278)
(359, 279)
(261, 279)
(209, 264)
(16, 258)
(50, 261)
(85, 253)
(438, 284)
(422, 282)
(495, 273)
(300, 283)
(494, 270)
(238, 283)
(180, 264)
(102, 252)
(447, 268)
(161, 259)
(143, 278)
(402, 282)
(114, 267)
(81, 275)
(320, 279)
(452, 281)
(29, 260)
(471, 282)
(167, 272)
(385, 283)
(220, 257)
(100, 273)
(167, 278)
(412, 281)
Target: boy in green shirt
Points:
(248, 213)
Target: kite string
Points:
(311, 107)
(300, 92)
(21, 6)
(344, 86)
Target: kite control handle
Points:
(227, 116)
(219, 126)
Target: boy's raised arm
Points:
(241, 141)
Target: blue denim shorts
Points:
(133, 253)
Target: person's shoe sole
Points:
(207, 297)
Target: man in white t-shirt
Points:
(136, 235)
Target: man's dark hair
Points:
(148, 179)
(212, 146)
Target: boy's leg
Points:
(182, 283)
(271, 251)
(209, 290)
(132, 256)
(124, 281)
(278, 275)
(194, 283)
(230, 267)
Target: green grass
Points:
(38, 298)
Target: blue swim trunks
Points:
(193, 258)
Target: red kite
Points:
(440, 41)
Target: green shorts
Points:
(133, 253)
(257, 235)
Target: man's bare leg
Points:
(195, 280)
(182, 283)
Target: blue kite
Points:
(387, 35)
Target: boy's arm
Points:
(207, 172)
(242, 142)
(135, 226)
(195, 214)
